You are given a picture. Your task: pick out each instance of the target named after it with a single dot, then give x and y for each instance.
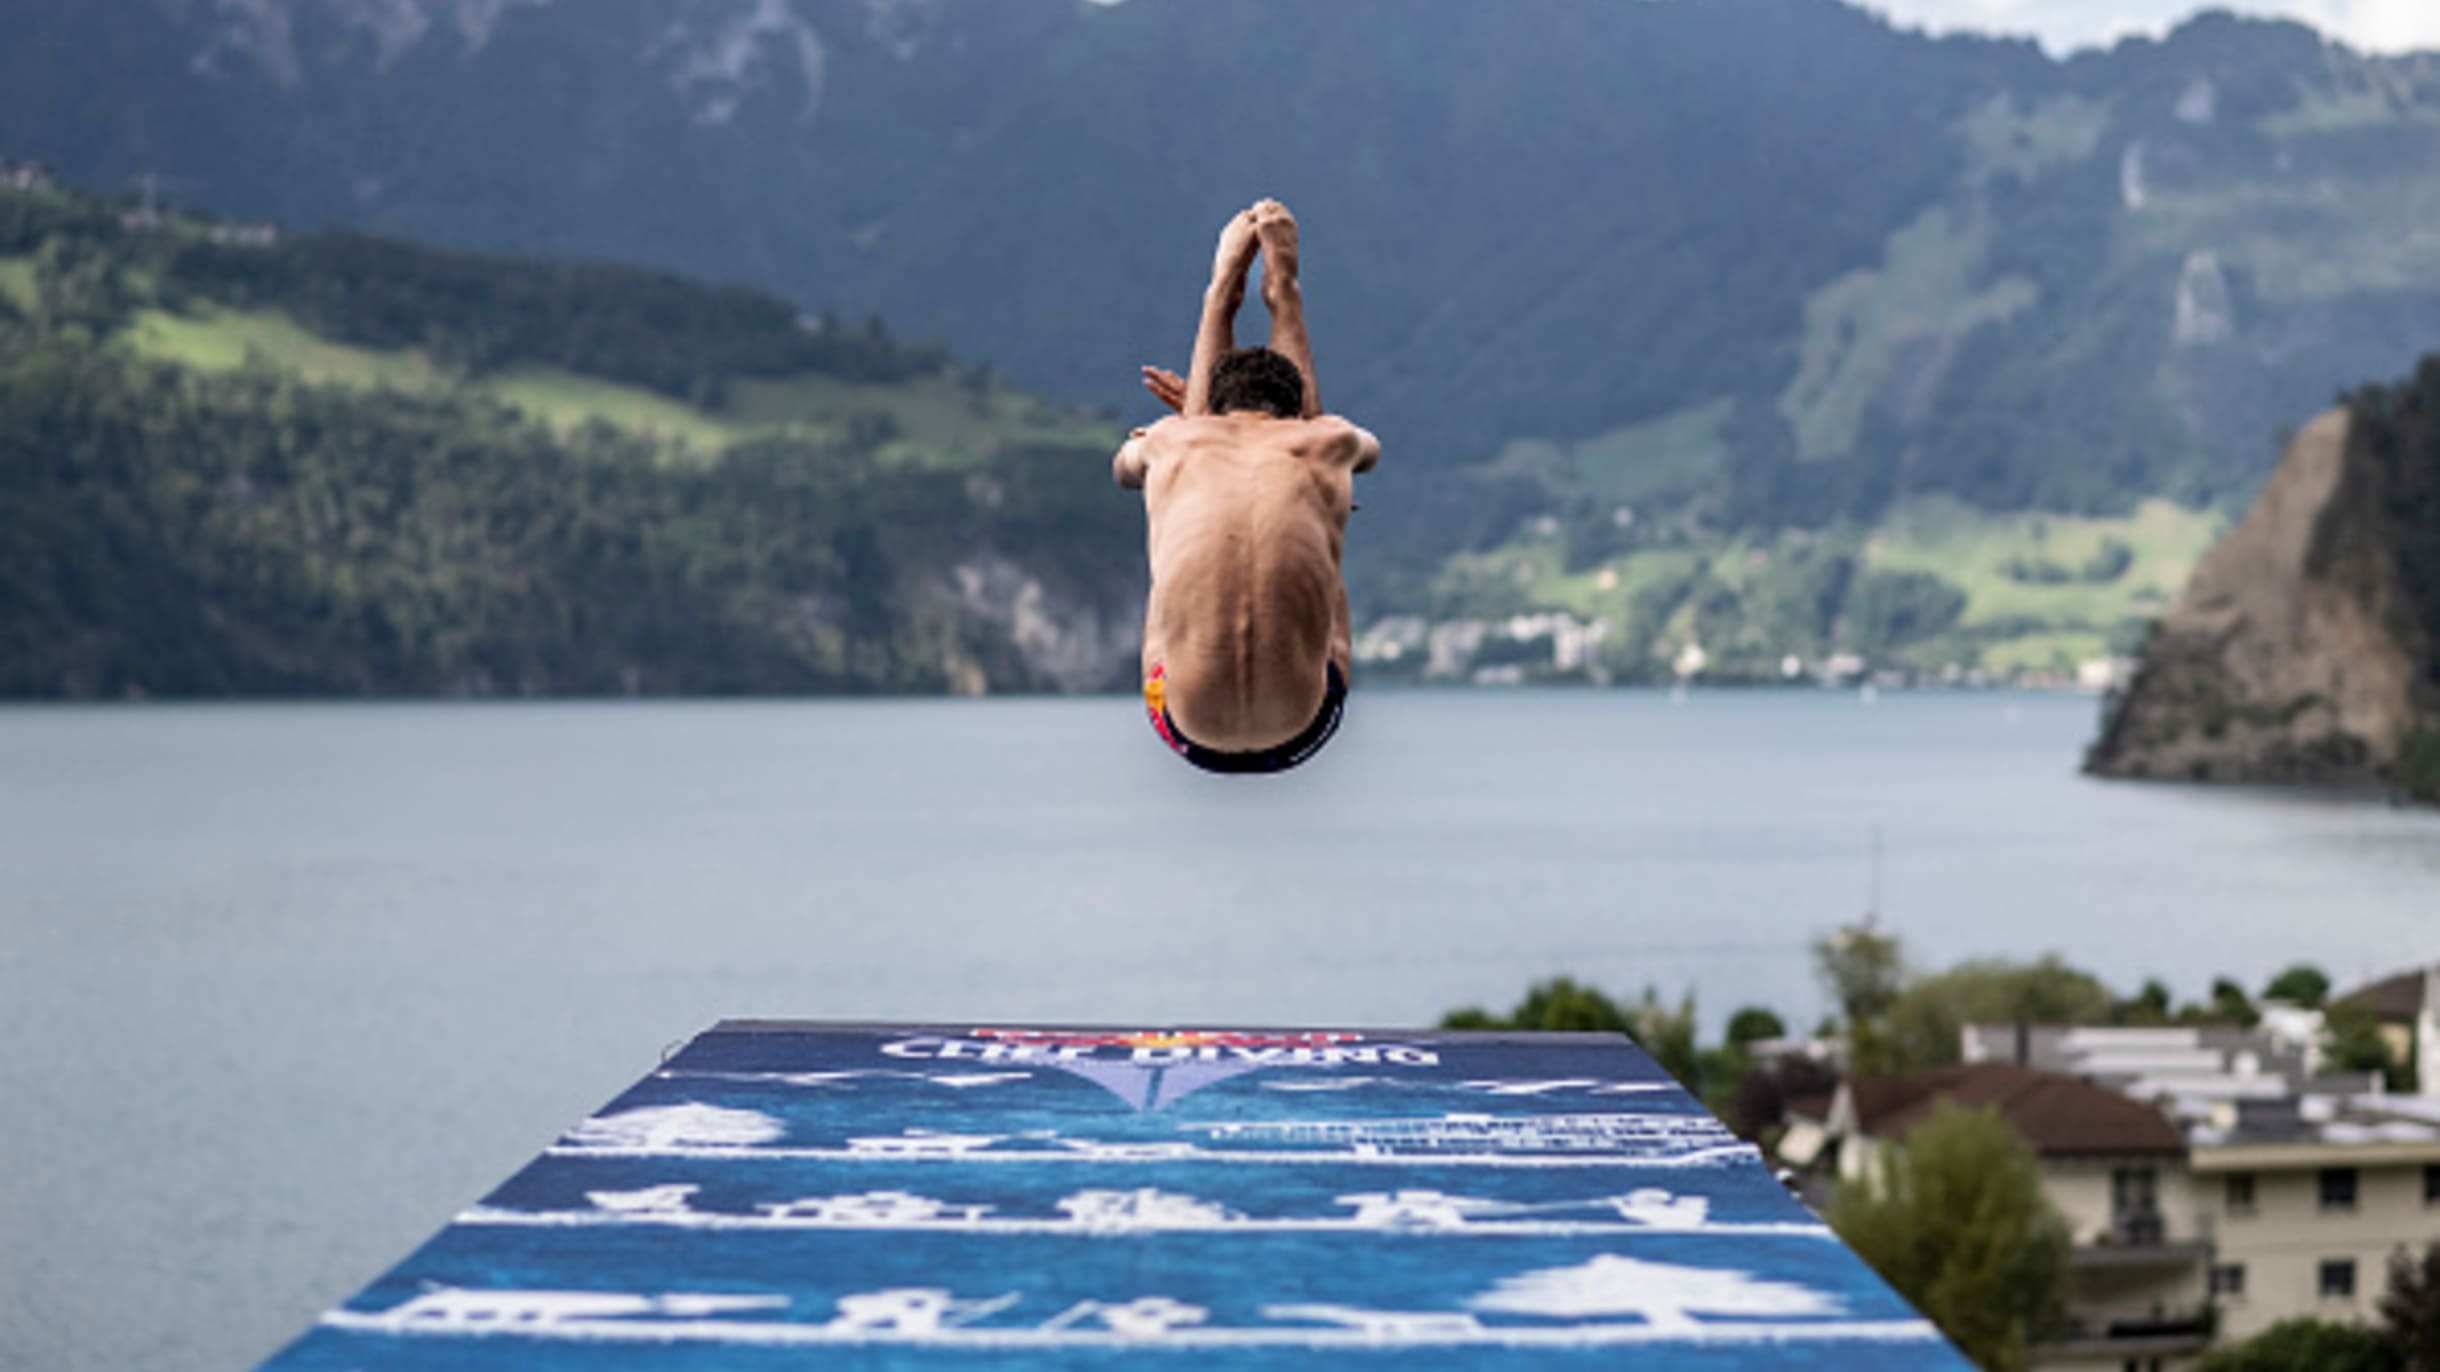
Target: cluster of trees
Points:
(28, 220)
(78, 253)
(2107, 565)
(1667, 1031)
(1811, 600)
(1898, 1020)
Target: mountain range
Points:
(1753, 323)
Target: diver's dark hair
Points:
(1258, 379)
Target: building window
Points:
(2338, 1188)
(2338, 1279)
(2240, 1193)
(2431, 1183)
(2228, 1281)
(2135, 1205)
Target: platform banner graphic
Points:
(891, 1196)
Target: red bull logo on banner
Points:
(1154, 1047)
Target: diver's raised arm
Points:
(1283, 294)
(1216, 335)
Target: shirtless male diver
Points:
(1246, 490)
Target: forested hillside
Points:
(338, 465)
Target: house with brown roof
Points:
(2116, 1168)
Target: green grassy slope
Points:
(929, 418)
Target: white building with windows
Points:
(2307, 1198)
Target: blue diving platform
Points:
(922, 1196)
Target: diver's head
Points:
(1259, 380)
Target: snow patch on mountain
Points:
(477, 18)
(2206, 306)
(263, 33)
(900, 26)
(717, 56)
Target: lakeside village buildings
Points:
(1557, 646)
(2217, 1180)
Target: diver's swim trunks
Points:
(1275, 759)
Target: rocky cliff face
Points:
(2304, 649)
(1049, 633)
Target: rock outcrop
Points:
(2307, 647)
(1044, 631)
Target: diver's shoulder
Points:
(1339, 433)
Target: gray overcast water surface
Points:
(284, 986)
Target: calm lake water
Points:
(284, 986)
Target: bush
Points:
(1753, 1024)
(2107, 565)
(2306, 1345)
(2303, 984)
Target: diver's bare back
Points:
(1248, 517)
